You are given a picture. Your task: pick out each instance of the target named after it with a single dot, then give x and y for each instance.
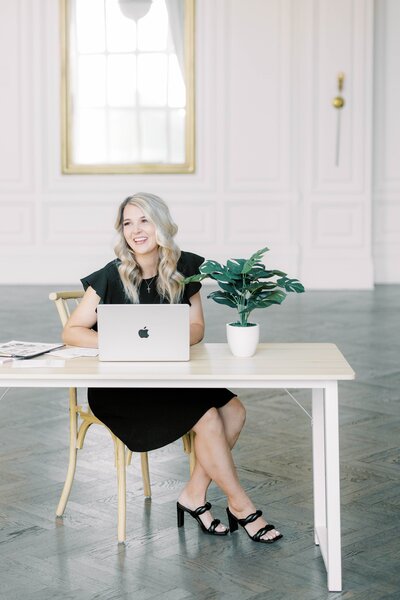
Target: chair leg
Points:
(73, 423)
(188, 447)
(121, 478)
(80, 438)
(186, 443)
(144, 459)
(192, 454)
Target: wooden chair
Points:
(65, 302)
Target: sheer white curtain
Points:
(176, 15)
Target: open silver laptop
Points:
(143, 332)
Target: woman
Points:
(149, 269)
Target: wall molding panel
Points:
(340, 45)
(16, 101)
(258, 92)
(17, 223)
(336, 199)
(196, 222)
(336, 227)
(85, 224)
(272, 223)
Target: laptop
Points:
(143, 332)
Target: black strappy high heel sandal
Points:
(234, 521)
(180, 511)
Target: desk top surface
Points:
(209, 364)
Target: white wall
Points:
(386, 189)
(265, 76)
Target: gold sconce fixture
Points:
(338, 103)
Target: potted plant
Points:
(246, 284)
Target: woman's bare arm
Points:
(196, 319)
(77, 331)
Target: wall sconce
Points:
(338, 103)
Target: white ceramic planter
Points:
(243, 341)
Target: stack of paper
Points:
(22, 349)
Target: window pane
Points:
(121, 80)
(152, 30)
(123, 143)
(152, 79)
(90, 26)
(177, 136)
(90, 136)
(153, 133)
(91, 81)
(176, 87)
(121, 31)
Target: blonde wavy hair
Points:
(169, 279)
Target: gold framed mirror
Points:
(127, 86)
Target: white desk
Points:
(315, 366)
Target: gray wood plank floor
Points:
(44, 558)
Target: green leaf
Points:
(197, 277)
(222, 298)
(217, 276)
(255, 273)
(276, 296)
(209, 266)
(298, 287)
(235, 265)
(254, 258)
(275, 272)
(262, 285)
(291, 285)
(227, 287)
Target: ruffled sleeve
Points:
(189, 264)
(102, 281)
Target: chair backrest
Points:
(65, 302)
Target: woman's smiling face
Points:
(139, 232)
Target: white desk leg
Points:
(318, 443)
(334, 560)
(121, 478)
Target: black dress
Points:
(143, 418)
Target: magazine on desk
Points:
(22, 349)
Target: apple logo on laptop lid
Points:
(144, 332)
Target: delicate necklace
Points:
(148, 284)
